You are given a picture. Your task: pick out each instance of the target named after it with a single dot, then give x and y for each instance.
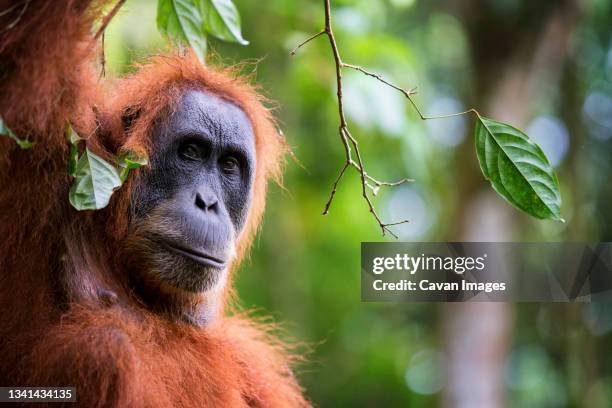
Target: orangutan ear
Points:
(129, 117)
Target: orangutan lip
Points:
(197, 256)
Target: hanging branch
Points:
(353, 157)
(494, 141)
(101, 34)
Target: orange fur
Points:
(68, 316)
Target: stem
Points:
(107, 19)
(408, 94)
(306, 41)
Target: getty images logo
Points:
(412, 264)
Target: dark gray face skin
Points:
(191, 205)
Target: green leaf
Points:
(130, 161)
(181, 21)
(22, 143)
(72, 136)
(222, 20)
(94, 182)
(73, 139)
(517, 169)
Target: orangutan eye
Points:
(190, 151)
(230, 165)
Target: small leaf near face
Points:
(517, 169)
(73, 139)
(222, 20)
(22, 143)
(181, 21)
(71, 134)
(130, 161)
(94, 182)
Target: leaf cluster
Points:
(190, 22)
(95, 179)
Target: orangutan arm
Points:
(46, 50)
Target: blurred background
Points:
(544, 66)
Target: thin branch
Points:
(407, 93)
(350, 144)
(388, 183)
(450, 115)
(343, 130)
(102, 57)
(334, 189)
(107, 19)
(306, 41)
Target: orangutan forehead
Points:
(204, 112)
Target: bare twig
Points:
(102, 57)
(351, 146)
(107, 19)
(335, 188)
(407, 93)
(306, 41)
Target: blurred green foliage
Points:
(304, 268)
